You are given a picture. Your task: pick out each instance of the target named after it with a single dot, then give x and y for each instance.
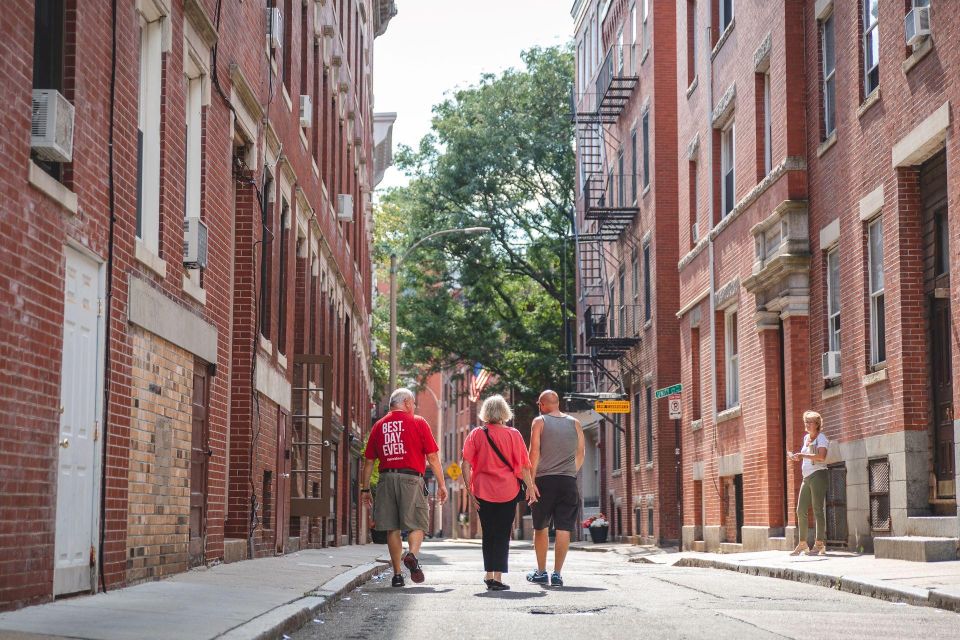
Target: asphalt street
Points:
(608, 597)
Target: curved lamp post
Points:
(394, 266)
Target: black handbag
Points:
(521, 494)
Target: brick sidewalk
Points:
(260, 598)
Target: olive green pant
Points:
(813, 491)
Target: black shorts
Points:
(559, 501)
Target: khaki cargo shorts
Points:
(400, 503)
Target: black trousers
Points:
(496, 518)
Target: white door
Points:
(78, 468)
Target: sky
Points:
(434, 46)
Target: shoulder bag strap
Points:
(495, 449)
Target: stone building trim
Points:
(871, 204)
(761, 57)
(924, 140)
(161, 316)
(725, 108)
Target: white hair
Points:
(398, 397)
(495, 410)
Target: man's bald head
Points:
(549, 401)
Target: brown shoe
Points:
(801, 548)
(410, 562)
(819, 549)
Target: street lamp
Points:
(394, 265)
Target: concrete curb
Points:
(850, 584)
(293, 615)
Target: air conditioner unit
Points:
(345, 207)
(274, 28)
(306, 111)
(916, 25)
(831, 365)
(194, 244)
(51, 127)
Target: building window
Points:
(829, 71)
(691, 41)
(727, 162)
(650, 533)
(646, 149)
(726, 14)
(621, 181)
(878, 333)
(732, 360)
(633, 166)
(266, 496)
(649, 424)
(695, 370)
(620, 52)
(622, 278)
(288, 44)
(767, 128)
(833, 300)
(617, 442)
(646, 25)
(636, 424)
(635, 268)
(647, 293)
(49, 54)
(694, 228)
(282, 284)
(266, 268)
(194, 137)
(871, 46)
(633, 32)
(148, 135)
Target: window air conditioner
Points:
(51, 127)
(306, 111)
(194, 244)
(917, 25)
(345, 207)
(831, 365)
(274, 28)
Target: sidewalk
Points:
(261, 598)
(931, 584)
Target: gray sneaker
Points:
(538, 577)
(555, 579)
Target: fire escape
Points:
(610, 330)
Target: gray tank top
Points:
(558, 447)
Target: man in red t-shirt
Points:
(403, 443)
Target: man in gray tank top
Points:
(556, 454)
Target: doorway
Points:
(282, 501)
(78, 464)
(199, 463)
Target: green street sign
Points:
(668, 391)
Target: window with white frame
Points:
(633, 166)
(732, 359)
(635, 280)
(829, 88)
(617, 443)
(621, 180)
(194, 138)
(833, 300)
(620, 52)
(580, 78)
(148, 134)
(623, 300)
(871, 45)
(633, 38)
(647, 289)
(727, 164)
(726, 14)
(646, 25)
(646, 148)
(767, 127)
(878, 332)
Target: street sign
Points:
(668, 391)
(453, 470)
(675, 411)
(612, 406)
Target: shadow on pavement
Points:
(416, 590)
(511, 595)
(573, 589)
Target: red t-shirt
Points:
(490, 479)
(401, 441)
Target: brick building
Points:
(883, 349)
(744, 278)
(154, 406)
(626, 123)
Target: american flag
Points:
(480, 379)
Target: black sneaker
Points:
(410, 562)
(397, 580)
(538, 577)
(496, 585)
(556, 580)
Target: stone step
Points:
(698, 545)
(933, 526)
(234, 550)
(916, 548)
(731, 547)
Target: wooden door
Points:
(941, 381)
(282, 499)
(199, 463)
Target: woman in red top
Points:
(494, 482)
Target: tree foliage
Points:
(499, 154)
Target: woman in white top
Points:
(813, 490)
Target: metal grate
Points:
(837, 505)
(879, 482)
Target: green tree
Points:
(499, 154)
